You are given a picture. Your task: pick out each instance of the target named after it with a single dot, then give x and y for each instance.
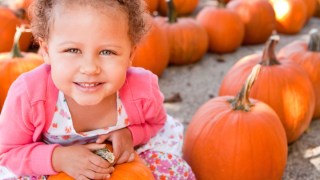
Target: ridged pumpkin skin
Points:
(9, 22)
(291, 15)
(126, 171)
(188, 41)
(258, 17)
(153, 52)
(298, 52)
(224, 28)
(226, 144)
(11, 68)
(183, 7)
(285, 87)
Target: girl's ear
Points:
(132, 54)
(44, 50)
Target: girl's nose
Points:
(90, 66)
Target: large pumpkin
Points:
(282, 84)
(183, 7)
(258, 17)
(9, 22)
(236, 138)
(188, 41)
(126, 171)
(291, 15)
(152, 52)
(224, 27)
(14, 63)
(308, 56)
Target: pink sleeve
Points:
(154, 115)
(21, 125)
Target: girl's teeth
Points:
(88, 84)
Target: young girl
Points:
(55, 116)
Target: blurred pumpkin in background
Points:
(9, 22)
(14, 63)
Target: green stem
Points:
(172, 14)
(269, 57)
(314, 43)
(241, 101)
(15, 51)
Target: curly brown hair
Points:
(41, 12)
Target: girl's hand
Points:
(79, 162)
(122, 144)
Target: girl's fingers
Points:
(93, 175)
(102, 138)
(131, 158)
(101, 170)
(123, 157)
(95, 146)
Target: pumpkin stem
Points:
(15, 51)
(241, 101)
(172, 14)
(269, 57)
(314, 43)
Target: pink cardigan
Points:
(29, 108)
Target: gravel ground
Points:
(186, 88)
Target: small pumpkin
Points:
(152, 52)
(258, 17)
(183, 7)
(188, 41)
(9, 22)
(308, 56)
(224, 28)
(291, 15)
(236, 138)
(14, 63)
(282, 84)
(126, 171)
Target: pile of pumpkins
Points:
(244, 132)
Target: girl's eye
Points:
(106, 52)
(73, 50)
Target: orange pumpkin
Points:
(127, 171)
(152, 52)
(308, 56)
(258, 17)
(230, 138)
(282, 84)
(311, 8)
(317, 10)
(188, 41)
(224, 27)
(183, 7)
(14, 63)
(9, 22)
(290, 15)
(152, 5)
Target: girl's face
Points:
(89, 52)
